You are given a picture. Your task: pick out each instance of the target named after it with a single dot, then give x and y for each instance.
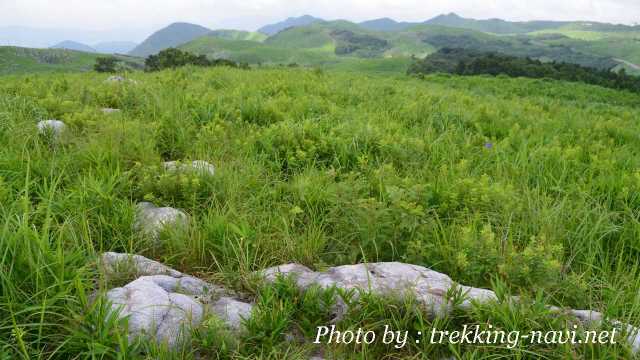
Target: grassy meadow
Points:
(526, 187)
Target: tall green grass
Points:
(528, 187)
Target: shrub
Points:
(106, 64)
(173, 58)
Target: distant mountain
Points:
(386, 24)
(74, 45)
(172, 36)
(115, 47)
(290, 22)
(496, 26)
(46, 37)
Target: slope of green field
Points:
(16, 60)
(239, 35)
(618, 45)
(255, 53)
(526, 187)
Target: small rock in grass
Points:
(151, 220)
(154, 309)
(110, 110)
(232, 311)
(54, 128)
(115, 79)
(198, 166)
(119, 79)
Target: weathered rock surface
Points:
(54, 128)
(428, 287)
(151, 220)
(164, 304)
(198, 166)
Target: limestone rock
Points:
(151, 220)
(199, 166)
(232, 311)
(54, 128)
(115, 79)
(155, 309)
(429, 287)
(164, 304)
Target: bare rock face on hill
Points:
(197, 166)
(152, 220)
(165, 304)
(53, 128)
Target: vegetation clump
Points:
(106, 64)
(470, 62)
(173, 58)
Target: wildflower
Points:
(488, 145)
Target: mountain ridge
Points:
(304, 20)
(172, 35)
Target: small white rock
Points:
(151, 220)
(199, 166)
(110, 110)
(232, 311)
(115, 78)
(51, 127)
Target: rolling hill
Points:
(332, 41)
(73, 45)
(115, 47)
(239, 35)
(308, 40)
(17, 60)
(170, 36)
(385, 24)
(273, 29)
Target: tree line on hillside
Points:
(167, 59)
(471, 62)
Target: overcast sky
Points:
(147, 15)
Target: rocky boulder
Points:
(165, 304)
(430, 288)
(54, 128)
(152, 220)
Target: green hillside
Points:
(324, 42)
(525, 187)
(618, 42)
(16, 60)
(170, 36)
(238, 35)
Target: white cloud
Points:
(152, 14)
